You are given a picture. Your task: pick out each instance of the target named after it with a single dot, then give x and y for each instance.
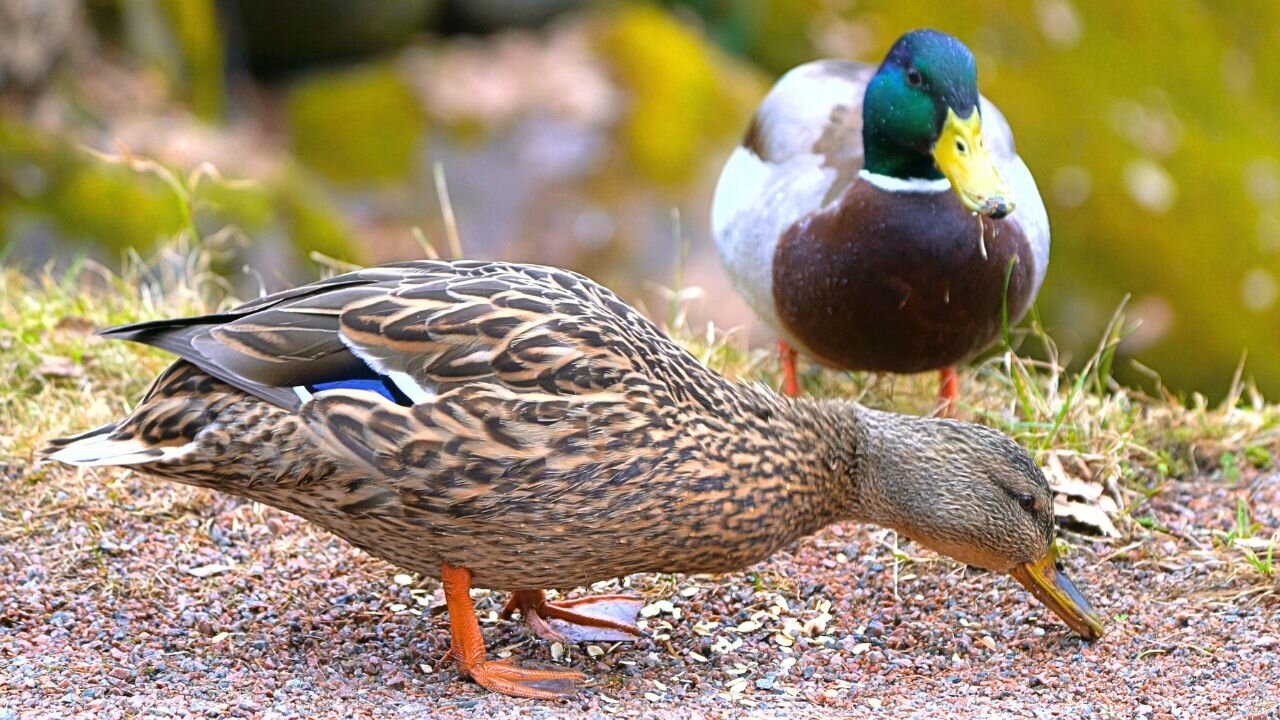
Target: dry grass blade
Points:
(446, 212)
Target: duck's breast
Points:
(900, 281)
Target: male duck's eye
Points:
(1027, 502)
(913, 77)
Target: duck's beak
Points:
(1051, 587)
(963, 158)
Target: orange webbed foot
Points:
(509, 679)
(468, 650)
(600, 618)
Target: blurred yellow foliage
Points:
(357, 125)
(87, 198)
(181, 39)
(196, 28)
(310, 220)
(114, 205)
(682, 96)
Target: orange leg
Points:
(948, 391)
(467, 649)
(602, 618)
(790, 387)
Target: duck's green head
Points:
(921, 120)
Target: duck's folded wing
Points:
(463, 451)
(802, 150)
(815, 109)
(411, 331)
(266, 348)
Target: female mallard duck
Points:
(867, 219)
(520, 427)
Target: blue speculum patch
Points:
(381, 385)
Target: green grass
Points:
(1261, 563)
(55, 375)
(1243, 537)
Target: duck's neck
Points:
(825, 462)
(884, 157)
(895, 129)
(853, 459)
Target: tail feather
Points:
(101, 447)
(97, 449)
(162, 428)
(60, 443)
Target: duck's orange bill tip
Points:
(1051, 587)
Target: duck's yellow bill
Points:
(963, 158)
(1051, 587)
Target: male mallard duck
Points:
(867, 219)
(520, 427)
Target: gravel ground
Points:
(123, 596)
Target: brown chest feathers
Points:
(899, 282)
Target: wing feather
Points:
(495, 445)
(439, 324)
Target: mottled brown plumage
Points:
(541, 433)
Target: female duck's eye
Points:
(1027, 502)
(913, 77)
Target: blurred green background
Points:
(569, 131)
